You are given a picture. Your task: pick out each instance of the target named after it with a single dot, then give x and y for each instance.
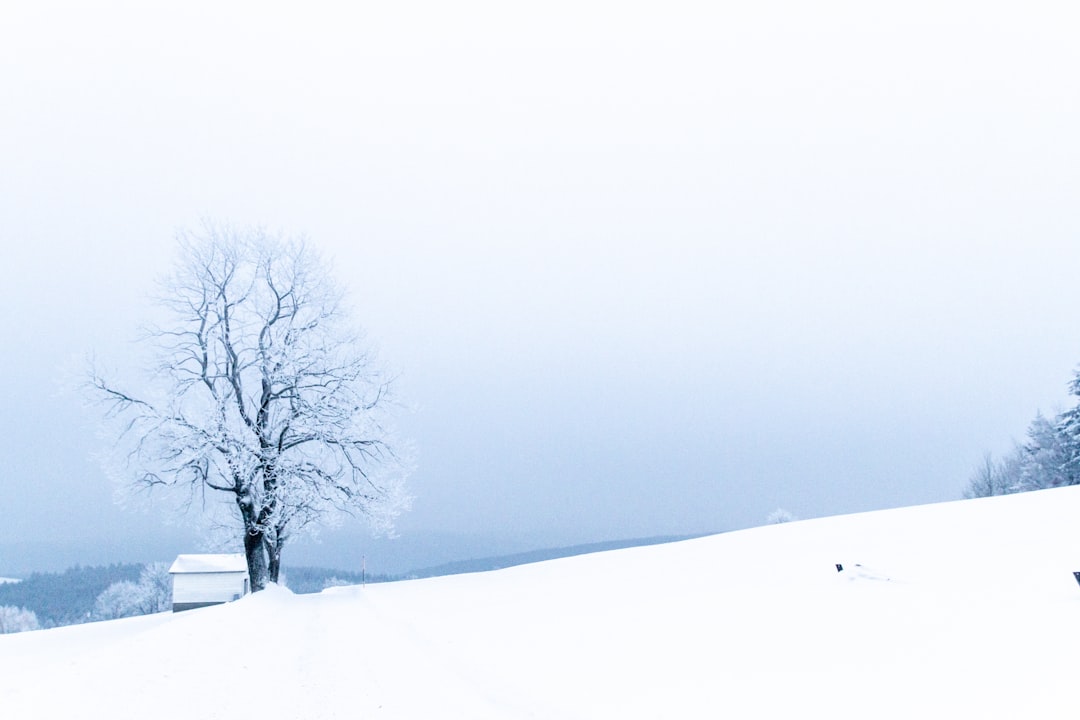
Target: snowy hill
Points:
(965, 609)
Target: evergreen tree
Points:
(1048, 454)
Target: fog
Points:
(639, 269)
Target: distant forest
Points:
(65, 598)
(68, 598)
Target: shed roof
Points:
(226, 563)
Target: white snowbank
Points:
(9, 580)
(964, 609)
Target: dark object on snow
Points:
(1077, 576)
(840, 568)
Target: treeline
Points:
(65, 598)
(82, 594)
(1049, 457)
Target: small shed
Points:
(201, 580)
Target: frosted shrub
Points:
(780, 515)
(16, 619)
(153, 593)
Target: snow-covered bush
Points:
(16, 619)
(780, 515)
(153, 593)
(121, 599)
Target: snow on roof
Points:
(209, 563)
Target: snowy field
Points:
(965, 609)
(8, 580)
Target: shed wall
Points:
(207, 587)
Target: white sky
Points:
(644, 268)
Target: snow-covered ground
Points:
(8, 580)
(965, 609)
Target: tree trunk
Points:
(255, 543)
(274, 565)
(256, 559)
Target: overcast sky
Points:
(642, 268)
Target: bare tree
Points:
(1000, 477)
(261, 394)
(156, 584)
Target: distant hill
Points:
(533, 556)
(68, 597)
(315, 579)
(304, 580)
